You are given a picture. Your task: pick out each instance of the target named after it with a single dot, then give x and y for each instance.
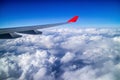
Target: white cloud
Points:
(117, 39)
(85, 73)
(62, 54)
(68, 57)
(40, 74)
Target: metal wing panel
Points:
(10, 32)
(26, 28)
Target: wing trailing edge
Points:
(9, 36)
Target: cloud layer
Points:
(62, 54)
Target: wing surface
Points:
(9, 33)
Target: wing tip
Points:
(74, 19)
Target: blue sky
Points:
(97, 13)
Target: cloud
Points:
(67, 57)
(62, 54)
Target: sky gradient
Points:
(93, 13)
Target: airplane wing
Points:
(11, 33)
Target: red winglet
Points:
(74, 19)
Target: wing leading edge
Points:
(11, 33)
